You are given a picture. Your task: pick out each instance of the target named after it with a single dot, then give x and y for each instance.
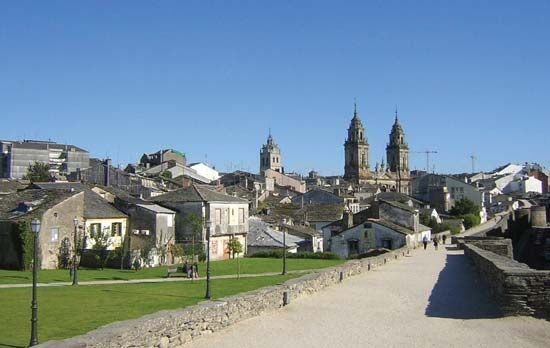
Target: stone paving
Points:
(432, 299)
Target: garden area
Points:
(247, 265)
(68, 311)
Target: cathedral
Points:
(391, 177)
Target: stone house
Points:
(317, 196)
(228, 216)
(54, 208)
(148, 224)
(312, 239)
(263, 238)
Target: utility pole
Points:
(473, 157)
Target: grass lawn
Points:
(248, 266)
(70, 311)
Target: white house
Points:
(205, 171)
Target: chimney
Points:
(347, 219)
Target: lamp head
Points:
(35, 225)
(75, 221)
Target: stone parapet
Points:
(518, 289)
(172, 328)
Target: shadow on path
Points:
(459, 293)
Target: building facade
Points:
(356, 147)
(16, 156)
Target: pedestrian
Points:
(196, 269)
(185, 269)
(435, 243)
(425, 242)
(444, 238)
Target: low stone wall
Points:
(175, 327)
(498, 245)
(518, 289)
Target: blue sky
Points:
(209, 78)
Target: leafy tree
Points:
(26, 238)
(176, 250)
(235, 248)
(471, 220)
(465, 206)
(195, 224)
(38, 172)
(467, 210)
(166, 174)
(100, 245)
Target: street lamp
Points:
(283, 223)
(75, 275)
(208, 233)
(35, 227)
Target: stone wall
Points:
(518, 289)
(172, 328)
(498, 245)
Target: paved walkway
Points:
(431, 299)
(148, 280)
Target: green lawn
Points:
(248, 266)
(69, 311)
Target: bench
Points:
(172, 271)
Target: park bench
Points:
(172, 271)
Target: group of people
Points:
(192, 271)
(436, 240)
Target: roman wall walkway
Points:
(430, 299)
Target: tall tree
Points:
(194, 223)
(38, 172)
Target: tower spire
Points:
(354, 107)
(396, 113)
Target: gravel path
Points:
(431, 299)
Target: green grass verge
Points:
(225, 267)
(70, 311)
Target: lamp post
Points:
(283, 223)
(75, 275)
(35, 227)
(208, 233)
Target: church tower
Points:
(270, 156)
(397, 151)
(357, 151)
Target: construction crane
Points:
(427, 152)
(473, 157)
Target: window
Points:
(241, 215)
(169, 220)
(367, 225)
(218, 216)
(54, 234)
(95, 230)
(228, 217)
(116, 229)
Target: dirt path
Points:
(431, 299)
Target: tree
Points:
(176, 250)
(465, 206)
(166, 174)
(100, 245)
(235, 248)
(467, 210)
(195, 224)
(38, 172)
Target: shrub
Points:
(471, 220)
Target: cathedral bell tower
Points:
(270, 156)
(356, 147)
(397, 150)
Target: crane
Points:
(427, 152)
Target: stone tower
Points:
(357, 151)
(397, 151)
(270, 156)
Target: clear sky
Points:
(209, 78)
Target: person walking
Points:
(196, 270)
(444, 238)
(425, 242)
(435, 243)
